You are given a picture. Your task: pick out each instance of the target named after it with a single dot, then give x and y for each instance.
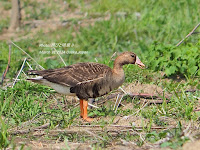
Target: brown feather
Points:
(74, 74)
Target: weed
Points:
(183, 60)
(102, 111)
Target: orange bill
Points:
(139, 63)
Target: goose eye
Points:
(133, 55)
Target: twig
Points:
(29, 65)
(91, 101)
(88, 104)
(144, 105)
(128, 143)
(123, 90)
(119, 126)
(143, 95)
(94, 135)
(118, 103)
(189, 34)
(24, 74)
(19, 72)
(141, 137)
(27, 55)
(42, 113)
(186, 131)
(96, 59)
(159, 142)
(113, 55)
(103, 99)
(44, 126)
(52, 96)
(27, 123)
(8, 65)
(92, 105)
(60, 57)
(156, 101)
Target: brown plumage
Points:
(87, 80)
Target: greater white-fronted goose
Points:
(86, 80)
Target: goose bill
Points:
(139, 63)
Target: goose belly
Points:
(59, 88)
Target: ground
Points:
(42, 137)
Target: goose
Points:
(86, 80)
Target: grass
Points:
(134, 26)
(19, 107)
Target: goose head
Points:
(128, 58)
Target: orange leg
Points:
(83, 108)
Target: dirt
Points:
(191, 145)
(123, 145)
(145, 88)
(49, 144)
(49, 25)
